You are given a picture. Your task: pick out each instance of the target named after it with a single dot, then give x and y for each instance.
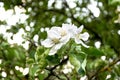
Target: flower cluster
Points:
(59, 36)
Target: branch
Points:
(66, 76)
(105, 68)
(53, 68)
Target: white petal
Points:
(53, 33)
(47, 43)
(78, 41)
(84, 36)
(62, 32)
(65, 39)
(70, 29)
(55, 48)
(65, 26)
(52, 51)
(68, 26)
(80, 29)
(57, 29)
(84, 44)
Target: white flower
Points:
(79, 38)
(68, 68)
(25, 71)
(75, 33)
(57, 37)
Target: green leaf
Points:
(40, 50)
(81, 72)
(78, 49)
(84, 64)
(53, 59)
(30, 61)
(40, 53)
(92, 51)
(33, 69)
(75, 62)
(114, 1)
(82, 57)
(41, 76)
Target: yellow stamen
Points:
(63, 33)
(78, 36)
(55, 40)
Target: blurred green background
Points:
(23, 24)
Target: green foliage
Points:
(92, 51)
(12, 52)
(11, 3)
(114, 1)
(86, 61)
(75, 62)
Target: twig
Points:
(104, 68)
(53, 68)
(66, 76)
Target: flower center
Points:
(78, 36)
(55, 40)
(63, 33)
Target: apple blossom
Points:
(57, 37)
(80, 37)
